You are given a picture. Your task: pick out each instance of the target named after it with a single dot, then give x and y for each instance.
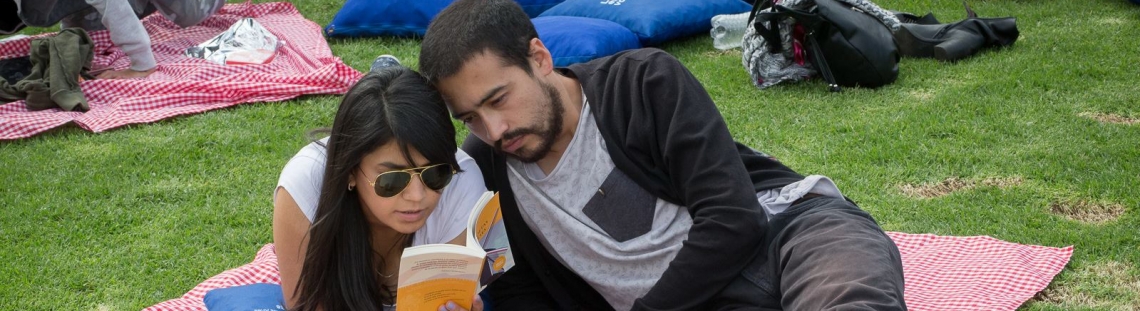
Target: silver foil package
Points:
(245, 42)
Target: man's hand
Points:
(476, 305)
(124, 74)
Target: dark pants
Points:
(72, 13)
(821, 254)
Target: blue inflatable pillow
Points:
(534, 8)
(653, 21)
(401, 18)
(261, 296)
(578, 39)
(366, 18)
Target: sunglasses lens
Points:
(391, 183)
(436, 177)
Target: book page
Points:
(431, 275)
(486, 229)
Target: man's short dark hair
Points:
(469, 27)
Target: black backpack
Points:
(845, 44)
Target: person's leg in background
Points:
(128, 33)
(186, 13)
(46, 13)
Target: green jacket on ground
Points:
(57, 63)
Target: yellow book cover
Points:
(433, 274)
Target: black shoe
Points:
(15, 69)
(384, 61)
(951, 42)
(908, 18)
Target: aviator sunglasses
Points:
(435, 177)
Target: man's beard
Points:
(555, 110)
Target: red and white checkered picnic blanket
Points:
(263, 269)
(943, 273)
(183, 85)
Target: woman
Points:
(393, 178)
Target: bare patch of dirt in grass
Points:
(1002, 183)
(921, 94)
(1111, 21)
(953, 184)
(1087, 211)
(1102, 286)
(1111, 118)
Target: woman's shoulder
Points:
(302, 176)
(315, 150)
(309, 162)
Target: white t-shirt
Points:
(303, 174)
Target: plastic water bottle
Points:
(728, 30)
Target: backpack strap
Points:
(824, 69)
(771, 32)
(811, 22)
(758, 6)
(808, 19)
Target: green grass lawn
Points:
(1033, 144)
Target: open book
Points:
(432, 274)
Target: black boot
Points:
(908, 18)
(951, 42)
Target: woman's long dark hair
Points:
(394, 104)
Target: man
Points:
(622, 188)
(119, 17)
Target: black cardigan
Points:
(664, 132)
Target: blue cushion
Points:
(400, 18)
(579, 39)
(364, 18)
(535, 7)
(653, 21)
(261, 296)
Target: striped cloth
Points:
(943, 273)
(183, 85)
